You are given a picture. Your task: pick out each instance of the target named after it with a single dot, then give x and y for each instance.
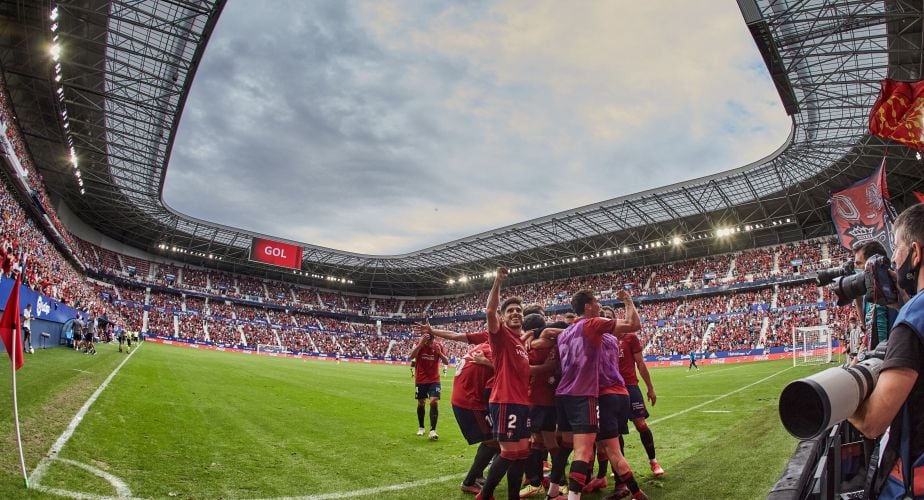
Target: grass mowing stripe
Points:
(752, 384)
(43, 465)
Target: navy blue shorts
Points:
(614, 416)
(542, 418)
(510, 421)
(637, 407)
(424, 391)
(474, 424)
(577, 414)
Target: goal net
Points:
(811, 345)
(271, 349)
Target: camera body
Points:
(873, 282)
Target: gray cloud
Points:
(388, 127)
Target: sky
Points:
(386, 127)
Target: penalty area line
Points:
(713, 400)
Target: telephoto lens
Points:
(812, 405)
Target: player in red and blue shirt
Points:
(428, 355)
(470, 399)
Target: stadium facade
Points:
(116, 99)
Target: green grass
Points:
(187, 423)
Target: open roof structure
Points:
(129, 67)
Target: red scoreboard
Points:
(276, 253)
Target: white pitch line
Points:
(52, 454)
(696, 407)
(716, 411)
(374, 491)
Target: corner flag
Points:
(10, 325)
(10, 333)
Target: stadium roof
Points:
(129, 67)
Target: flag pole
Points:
(17, 337)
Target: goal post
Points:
(271, 349)
(811, 345)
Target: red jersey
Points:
(629, 344)
(511, 368)
(470, 379)
(609, 362)
(479, 338)
(428, 364)
(541, 393)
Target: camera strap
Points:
(905, 451)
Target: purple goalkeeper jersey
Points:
(579, 349)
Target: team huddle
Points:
(528, 390)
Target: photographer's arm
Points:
(877, 412)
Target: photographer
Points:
(877, 320)
(898, 397)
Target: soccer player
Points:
(470, 399)
(614, 417)
(692, 361)
(583, 371)
(630, 359)
(543, 360)
(509, 402)
(27, 328)
(428, 355)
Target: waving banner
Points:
(898, 113)
(864, 212)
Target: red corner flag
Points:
(919, 196)
(10, 324)
(898, 112)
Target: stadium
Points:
(267, 376)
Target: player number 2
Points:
(511, 421)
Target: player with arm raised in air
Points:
(470, 399)
(581, 349)
(630, 359)
(509, 402)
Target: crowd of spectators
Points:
(195, 279)
(251, 287)
(743, 320)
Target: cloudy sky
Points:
(388, 127)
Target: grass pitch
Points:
(184, 423)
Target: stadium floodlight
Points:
(917, 155)
(54, 26)
(54, 14)
(56, 52)
(676, 240)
